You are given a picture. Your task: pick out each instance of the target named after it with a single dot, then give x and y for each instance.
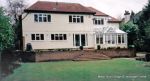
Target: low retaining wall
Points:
(114, 53)
(70, 55)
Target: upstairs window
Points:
(58, 37)
(98, 21)
(76, 19)
(37, 36)
(41, 17)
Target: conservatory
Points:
(110, 37)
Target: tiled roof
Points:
(61, 7)
(98, 13)
(57, 7)
(113, 20)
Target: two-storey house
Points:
(59, 25)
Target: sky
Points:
(115, 8)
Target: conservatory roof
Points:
(108, 30)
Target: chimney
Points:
(127, 16)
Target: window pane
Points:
(82, 19)
(97, 39)
(77, 40)
(52, 36)
(42, 36)
(32, 36)
(78, 20)
(119, 39)
(83, 39)
(96, 21)
(44, 19)
(60, 37)
(122, 38)
(113, 39)
(70, 18)
(74, 19)
(49, 18)
(101, 39)
(102, 21)
(35, 17)
(40, 19)
(109, 39)
(99, 22)
(65, 37)
(56, 37)
(37, 37)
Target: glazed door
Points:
(80, 39)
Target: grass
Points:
(102, 70)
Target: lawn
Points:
(103, 70)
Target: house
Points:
(59, 25)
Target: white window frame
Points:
(59, 36)
(42, 16)
(76, 18)
(39, 36)
(98, 21)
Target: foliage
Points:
(132, 15)
(144, 29)
(130, 70)
(6, 31)
(132, 31)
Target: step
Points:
(92, 57)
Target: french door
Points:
(80, 39)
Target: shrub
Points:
(98, 47)
(147, 57)
(81, 47)
(28, 47)
(118, 48)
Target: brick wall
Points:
(70, 55)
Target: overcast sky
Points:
(111, 7)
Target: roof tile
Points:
(98, 13)
(58, 7)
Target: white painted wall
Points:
(60, 25)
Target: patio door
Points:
(80, 39)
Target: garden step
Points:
(85, 57)
(88, 59)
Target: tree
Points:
(132, 15)
(6, 32)
(15, 9)
(132, 31)
(144, 28)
